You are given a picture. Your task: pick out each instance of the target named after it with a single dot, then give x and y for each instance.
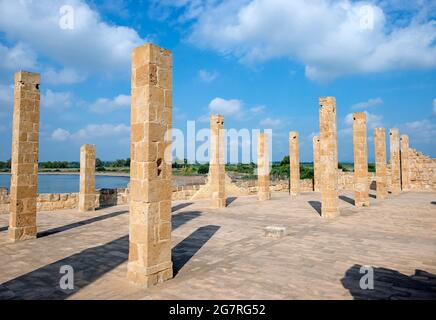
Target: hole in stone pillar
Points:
(354, 118)
(37, 86)
(159, 169)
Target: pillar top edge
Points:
(327, 101)
(88, 145)
(27, 77)
(361, 115)
(217, 116)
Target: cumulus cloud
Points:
(104, 105)
(271, 122)
(421, 131)
(257, 109)
(331, 38)
(56, 100)
(92, 131)
(92, 45)
(63, 76)
(367, 104)
(207, 76)
(17, 57)
(231, 108)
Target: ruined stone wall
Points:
(422, 173)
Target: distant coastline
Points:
(112, 174)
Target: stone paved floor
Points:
(222, 254)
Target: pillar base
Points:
(361, 203)
(295, 193)
(330, 214)
(148, 277)
(22, 233)
(218, 203)
(86, 203)
(263, 196)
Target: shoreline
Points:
(110, 174)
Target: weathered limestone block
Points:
(405, 166)
(87, 196)
(380, 162)
(316, 169)
(150, 169)
(328, 158)
(294, 163)
(394, 138)
(361, 186)
(217, 166)
(24, 166)
(263, 167)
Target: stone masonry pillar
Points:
(380, 162)
(294, 159)
(217, 166)
(405, 167)
(328, 158)
(24, 163)
(263, 167)
(87, 178)
(150, 167)
(361, 185)
(316, 169)
(395, 161)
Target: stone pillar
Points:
(395, 161)
(87, 178)
(380, 162)
(217, 170)
(24, 163)
(361, 184)
(405, 167)
(328, 158)
(294, 163)
(316, 169)
(263, 168)
(150, 167)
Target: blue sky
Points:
(263, 64)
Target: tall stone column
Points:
(328, 158)
(294, 159)
(263, 169)
(394, 138)
(405, 167)
(87, 178)
(217, 174)
(150, 167)
(380, 162)
(316, 164)
(361, 185)
(24, 162)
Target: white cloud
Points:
(63, 76)
(331, 38)
(271, 122)
(92, 131)
(17, 57)
(367, 104)
(91, 46)
(60, 134)
(104, 105)
(231, 108)
(422, 131)
(257, 109)
(56, 100)
(207, 76)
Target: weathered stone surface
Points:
(316, 164)
(294, 163)
(422, 171)
(217, 161)
(361, 186)
(150, 177)
(24, 165)
(405, 166)
(87, 194)
(328, 157)
(263, 167)
(380, 162)
(394, 138)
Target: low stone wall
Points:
(422, 171)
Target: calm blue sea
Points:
(66, 183)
